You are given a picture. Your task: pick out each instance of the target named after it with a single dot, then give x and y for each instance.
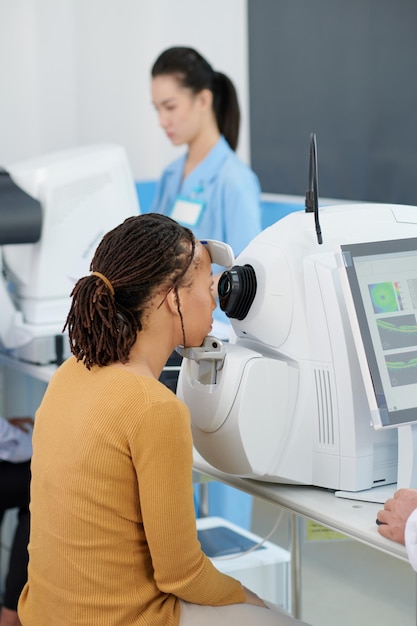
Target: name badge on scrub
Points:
(187, 212)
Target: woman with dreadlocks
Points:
(113, 535)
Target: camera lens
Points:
(225, 285)
(237, 290)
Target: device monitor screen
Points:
(382, 277)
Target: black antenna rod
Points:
(312, 194)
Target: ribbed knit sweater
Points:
(113, 533)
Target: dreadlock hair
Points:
(194, 72)
(138, 256)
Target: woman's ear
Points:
(206, 99)
(172, 301)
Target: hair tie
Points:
(105, 280)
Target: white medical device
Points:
(295, 398)
(76, 197)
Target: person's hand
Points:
(22, 423)
(393, 518)
(252, 598)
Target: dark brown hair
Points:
(137, 257)
(194, 72)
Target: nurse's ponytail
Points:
(226, 108)
(194, 72)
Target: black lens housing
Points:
(237, 290)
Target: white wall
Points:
(37, 83)
(77, 71)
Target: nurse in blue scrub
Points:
(209, 189)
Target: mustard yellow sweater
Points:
(113, 534)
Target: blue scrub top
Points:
(229, 192)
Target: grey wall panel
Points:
(348, 72)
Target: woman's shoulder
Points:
(236, 172)
(146, 391)
(175, 166)
(232, 163)
(159, 407)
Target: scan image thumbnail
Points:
(402, 368)
(397, 332)
(385, 297)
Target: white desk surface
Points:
(351, 517)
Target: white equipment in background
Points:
(83, 193)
